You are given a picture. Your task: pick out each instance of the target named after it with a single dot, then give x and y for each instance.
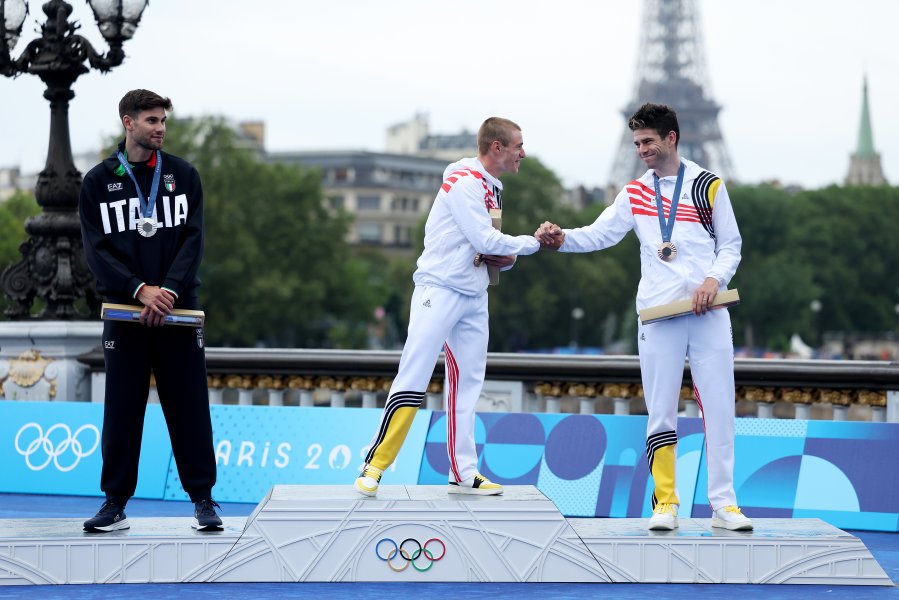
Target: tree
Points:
(276, 269)
(835, 246)
(533, 307)
(13, 214)
(847, 235)
(776, 289)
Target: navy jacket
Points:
(119, 257)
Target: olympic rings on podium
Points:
(400, 550)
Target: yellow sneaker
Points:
(731, 517)
(368, 480)
(478, 485)
(664, 517)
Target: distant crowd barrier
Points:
(766, 388)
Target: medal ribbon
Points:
(146, 204)
(668, 227)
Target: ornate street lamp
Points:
(53, 266)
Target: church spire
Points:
(865, 147)
(864, 163)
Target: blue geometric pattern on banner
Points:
(589, 465)
(513, 449)
(870, 477)
(257, 447)
(575, 437)
(851, 430)
(787, 468)
(758, 480)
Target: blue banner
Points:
(595, 465)
(257, 447)
(55, 448)
(842, 472)
(589, 465)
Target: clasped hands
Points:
(157, 304)
(550, 236)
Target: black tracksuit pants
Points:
(177, 358)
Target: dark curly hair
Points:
(136, 101)
(660, 117)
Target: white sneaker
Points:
(478, 484)
(730, 517)
(368, 480)
(664, 517)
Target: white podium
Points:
(421, 533)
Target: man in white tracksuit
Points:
(690, 250)
(449, 309)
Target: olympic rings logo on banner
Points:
(410, 559)
(43, 443)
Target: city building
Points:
(864, 163)
(388, 194)
(414, 138)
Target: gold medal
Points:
(667, 251)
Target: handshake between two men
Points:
(550, 236)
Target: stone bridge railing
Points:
(802, 389)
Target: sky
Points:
(336, 75)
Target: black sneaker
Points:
(205, 518)
(110, 518)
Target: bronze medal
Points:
(667, 251)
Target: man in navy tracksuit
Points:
(142, 223)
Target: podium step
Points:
(421, 533)
(792, 551)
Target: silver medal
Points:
(147, 227)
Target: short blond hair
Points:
(495, 129)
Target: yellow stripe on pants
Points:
(397, 428)
(663, 468)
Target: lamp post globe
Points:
(53, 268)
(13, 17)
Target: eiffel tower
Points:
(671, 70)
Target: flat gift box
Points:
(131, 313)
(496, 218)
(685, 307)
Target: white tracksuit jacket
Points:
(459, 226)
(708, 245)
(699, 253)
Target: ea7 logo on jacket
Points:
(114, 187)
(125, 214)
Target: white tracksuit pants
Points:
(708, 342)
(459, 325)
